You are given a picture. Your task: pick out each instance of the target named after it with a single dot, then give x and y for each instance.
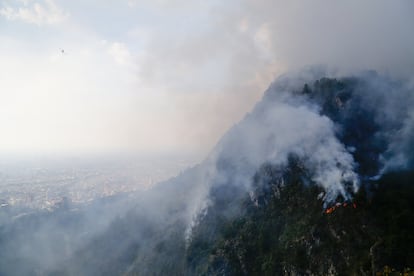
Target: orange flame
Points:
(337, 205)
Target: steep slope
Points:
(316, 180)
(286, 230)
(288, 225)
(258, 204)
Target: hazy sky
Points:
(172, 75)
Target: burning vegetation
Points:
(331, 209)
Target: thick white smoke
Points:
(289, 127)
(373, 134)
(279, 127)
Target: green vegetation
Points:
(291, 233)
(280, 225)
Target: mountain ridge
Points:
(257, 205)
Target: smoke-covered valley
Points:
(317, 139)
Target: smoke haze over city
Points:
(178, 137)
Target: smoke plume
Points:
(343, 129)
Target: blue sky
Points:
(157, 76)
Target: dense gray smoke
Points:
(371, 123)
(342, 127)
(343, 132)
